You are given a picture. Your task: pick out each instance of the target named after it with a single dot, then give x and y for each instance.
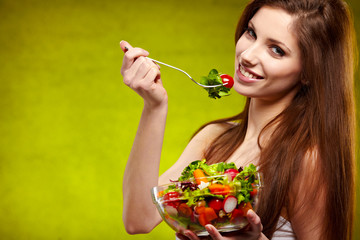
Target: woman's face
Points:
(267, 61)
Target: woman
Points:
(294, 63)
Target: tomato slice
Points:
(171, 196)
(172, 199)
(237, 216)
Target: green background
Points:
(67, 122)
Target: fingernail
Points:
(209, 229)
(251, 214)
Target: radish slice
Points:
(230, 204)
(231, 173)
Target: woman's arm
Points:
(193, 151)
(142, 169)
(141, 173)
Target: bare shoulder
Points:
(308, 196)
(309, 168)
(211, 131)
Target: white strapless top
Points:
(284, 231)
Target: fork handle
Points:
(204, 86)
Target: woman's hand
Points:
(254, 232)
(142, 75)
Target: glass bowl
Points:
(217, 200)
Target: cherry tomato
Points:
(216, 204)
(227, 79)
(184, 210)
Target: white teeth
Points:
(245, 73)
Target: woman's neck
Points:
(260, 114)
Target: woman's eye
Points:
(278, 51)
(251, 32)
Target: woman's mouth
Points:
(246, 75)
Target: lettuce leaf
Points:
(214, 78)
(241, 184)
(209, 170)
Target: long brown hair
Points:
(320, 118)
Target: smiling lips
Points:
(247, 75)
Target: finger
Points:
(255, 221)
(131, 54)
(148, 82)
(125, 46)
(214, 233)
(153, 63)
(140, 68)
(152, 75)
(191, 235)
(181, 237)
(148, 73)
(131, 73)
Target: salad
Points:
(215, 78)
(218, 194)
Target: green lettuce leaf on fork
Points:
(214, 79)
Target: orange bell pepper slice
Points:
(219, 189)
(200, 176)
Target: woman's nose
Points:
(250, 56)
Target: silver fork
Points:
(202, 85)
